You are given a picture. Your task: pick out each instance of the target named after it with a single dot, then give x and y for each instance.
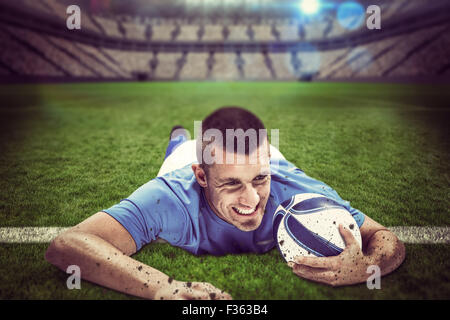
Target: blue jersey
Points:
(173, 207)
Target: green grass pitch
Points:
(70, 150)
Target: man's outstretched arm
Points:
(380, 248)
(101, 247)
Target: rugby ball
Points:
(308, 225)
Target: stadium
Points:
(89, 95)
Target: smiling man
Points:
(222, 205)
(236, 183)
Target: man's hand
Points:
(178, 290)
(349, 267)
(100, 246)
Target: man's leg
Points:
(178, 135)
(180, 142)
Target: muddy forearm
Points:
(103, 264)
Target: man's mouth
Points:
(245, 212)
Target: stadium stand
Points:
(134, 30)
(109, 25)
(169, 66)
(281, 64)
(127, 47)
(316, 29)
(419, 56)
(103, 59)
(213, 33)
(224, 67)
(237, 33)
(18, 58)
(190, 33)
(261, 33)
(256, 67)
(163, 32)
(196, 67)
(59, 55)
(39, 6)
(382, 58)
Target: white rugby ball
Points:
(308, 225)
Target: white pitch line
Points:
(34, 234)
(407, 234)
(29, 234)
(425, 235)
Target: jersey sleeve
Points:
(356, 214)
(326, 190)
(308, 184)
(152, 211)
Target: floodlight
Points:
(309, 6)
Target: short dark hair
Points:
(235, 118)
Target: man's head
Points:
(234, 169)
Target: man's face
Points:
(238, 193)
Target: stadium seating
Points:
(196, 67)
(262, 33)
(420, 59)
(213, 33)
(17, 59)
(101, 57)
(51, 51)
(190, 33)
(135, 30)
(124, 47)
(109, 25)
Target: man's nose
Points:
(249, 197)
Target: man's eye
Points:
(232, 183)
(260, 178)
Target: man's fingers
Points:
(306, 270)
(202, 295)
(206, 291)
(314, 274)
(316, 262)
(191, 291)
(224, 296)
(218, 295)
(346, 235)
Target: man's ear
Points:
(200, 175)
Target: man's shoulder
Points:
(288, 180)
(178, 186)
(164, 207)
(283, 169)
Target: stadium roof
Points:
(214, 8)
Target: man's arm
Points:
(101, 247)
(380, 247)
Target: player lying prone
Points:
(226, 207)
